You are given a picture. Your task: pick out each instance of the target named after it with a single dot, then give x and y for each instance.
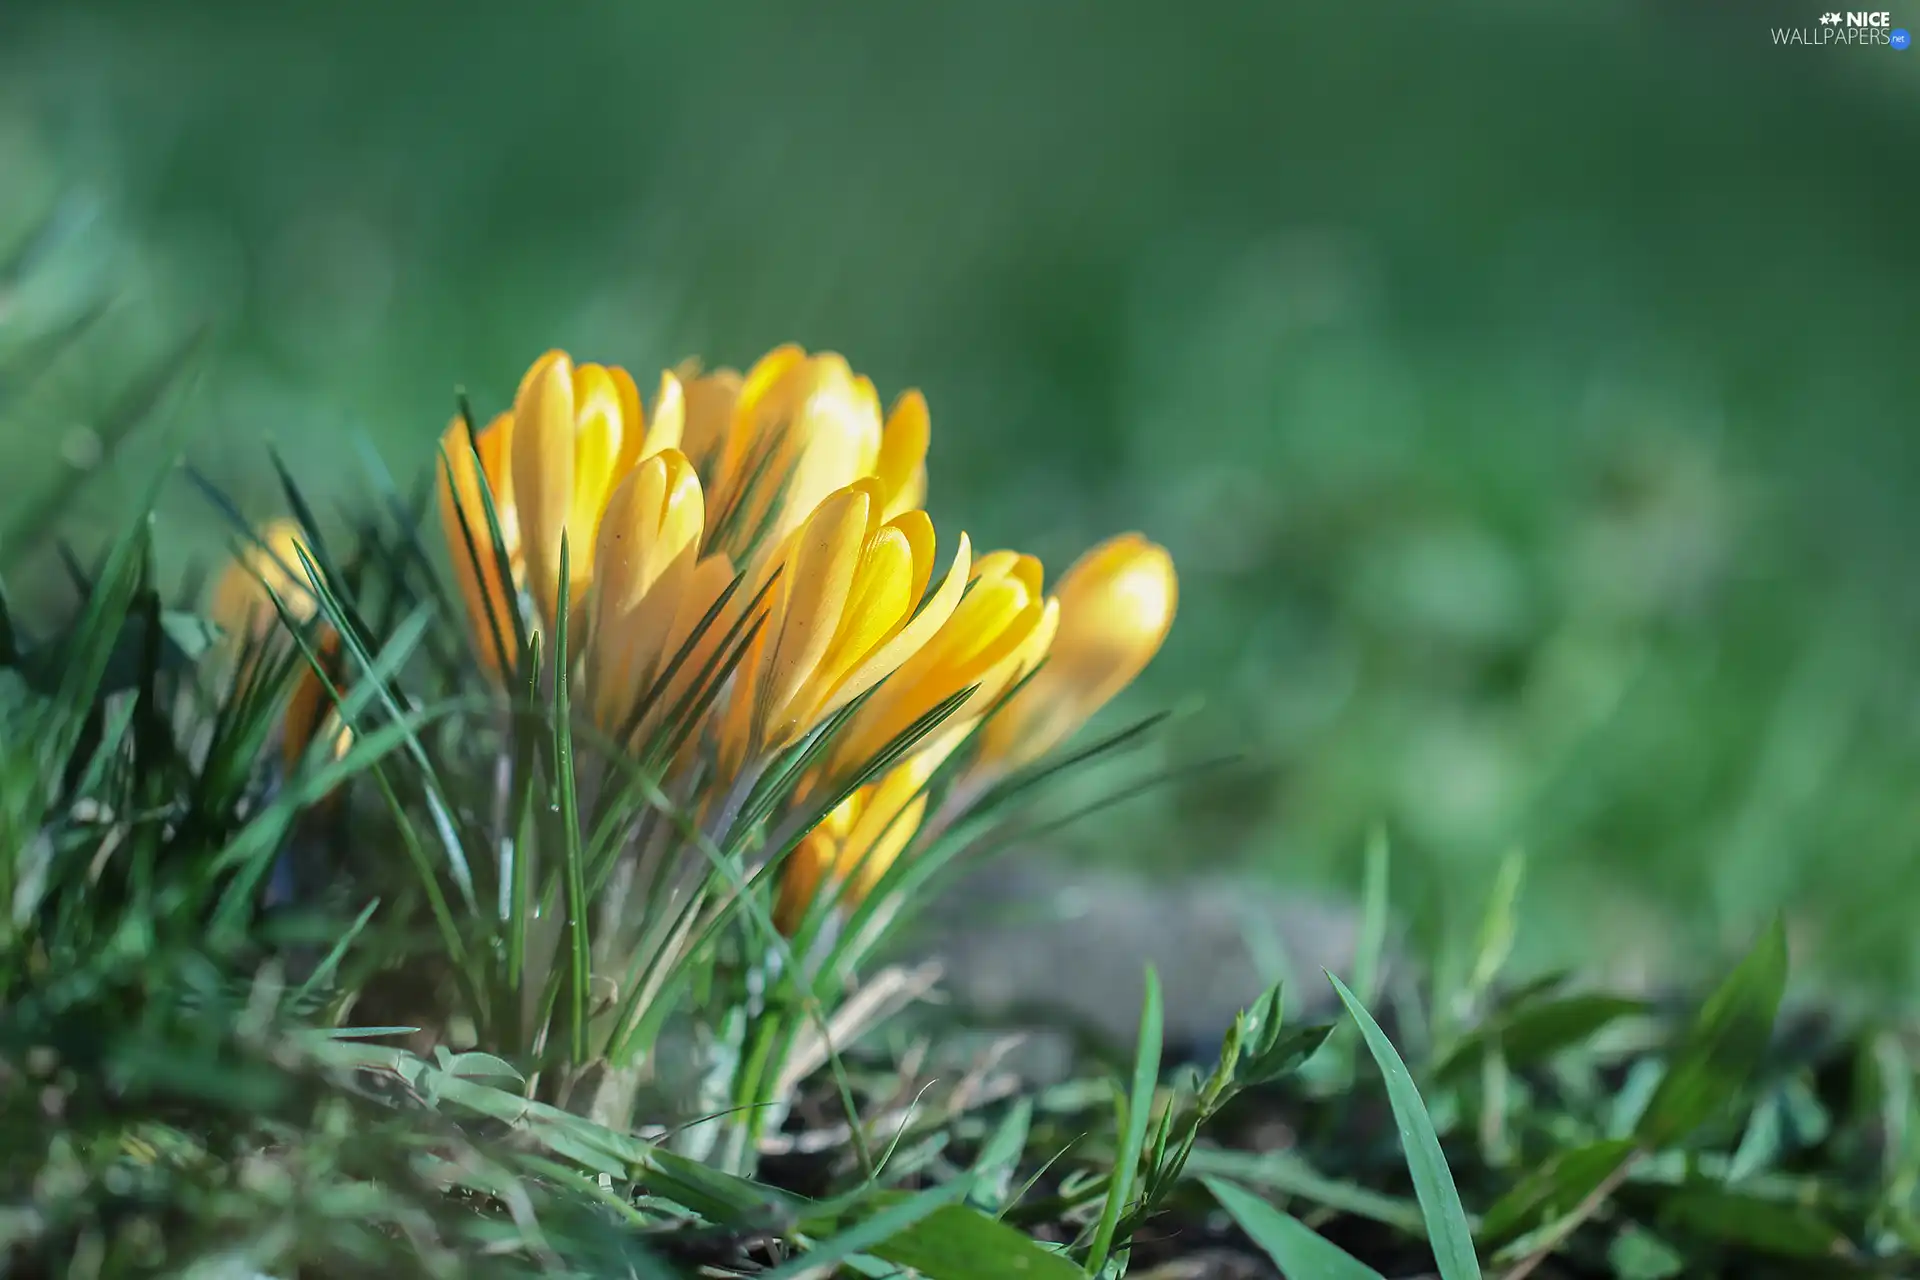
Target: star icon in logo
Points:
(1829, 19)
(1899, 38)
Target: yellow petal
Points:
(765, 399)
(598, 432)
(917, 526)
(669, 420)
(819, 575)
(882, 662)
(633, 435)
(1115, 608)
(710, 400)
(901, 467)
(745, 694)
(241, 605)
(877, 857)
(649, 537)
(710, 579)
(979, 645)
(543, 482)
(494, 445)
(310, 706)
(800, 877)
(889, 820)
(878, 605)
(835, 436)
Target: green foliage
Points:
(451, 1051)
(1294, 1248)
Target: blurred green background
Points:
(1525, 395)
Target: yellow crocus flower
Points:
(858, 842)
(576, 430)
(840, 617)
(645, 555)
(999, 631)
(489, 601)
(271, 559)
(802, 427)
(1116, 605)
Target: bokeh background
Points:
(1525, 391)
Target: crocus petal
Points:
(888, 820)
(598, 431)
(710, 400)
(909, 638)
(310, 707)
(649, 537)
(543, 487)
(494, 445)
(901, 467)
(765, 397)
(632, 435)
(1115, 608)
(710, 579)
(241, 605)
(980, 645)
(463, 519)
(834, 431)
(917, 526)
(800, 877)
(818, 577)
(669, 420)
(878, 605)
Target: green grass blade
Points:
(324, 972)
(253, 848)
(999, 1158)
(1371, 949)
(10, 643)
(30, 520)
(1146, 1077)
(1555, 1189)
(1446, 1219)
(956, 1242)
(1299, 1252)
(109, 605)
(1722, 1046)
(1289, 1174)
(344, 621)
(580, 963)
(865, 1236)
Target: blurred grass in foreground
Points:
(1525, 392)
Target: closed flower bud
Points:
(1116, 605)
(841, 616)
(997, 633)
(802, 427)
(644, 557)
(577, 430)
(241, 604)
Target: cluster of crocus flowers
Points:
(781, 505)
